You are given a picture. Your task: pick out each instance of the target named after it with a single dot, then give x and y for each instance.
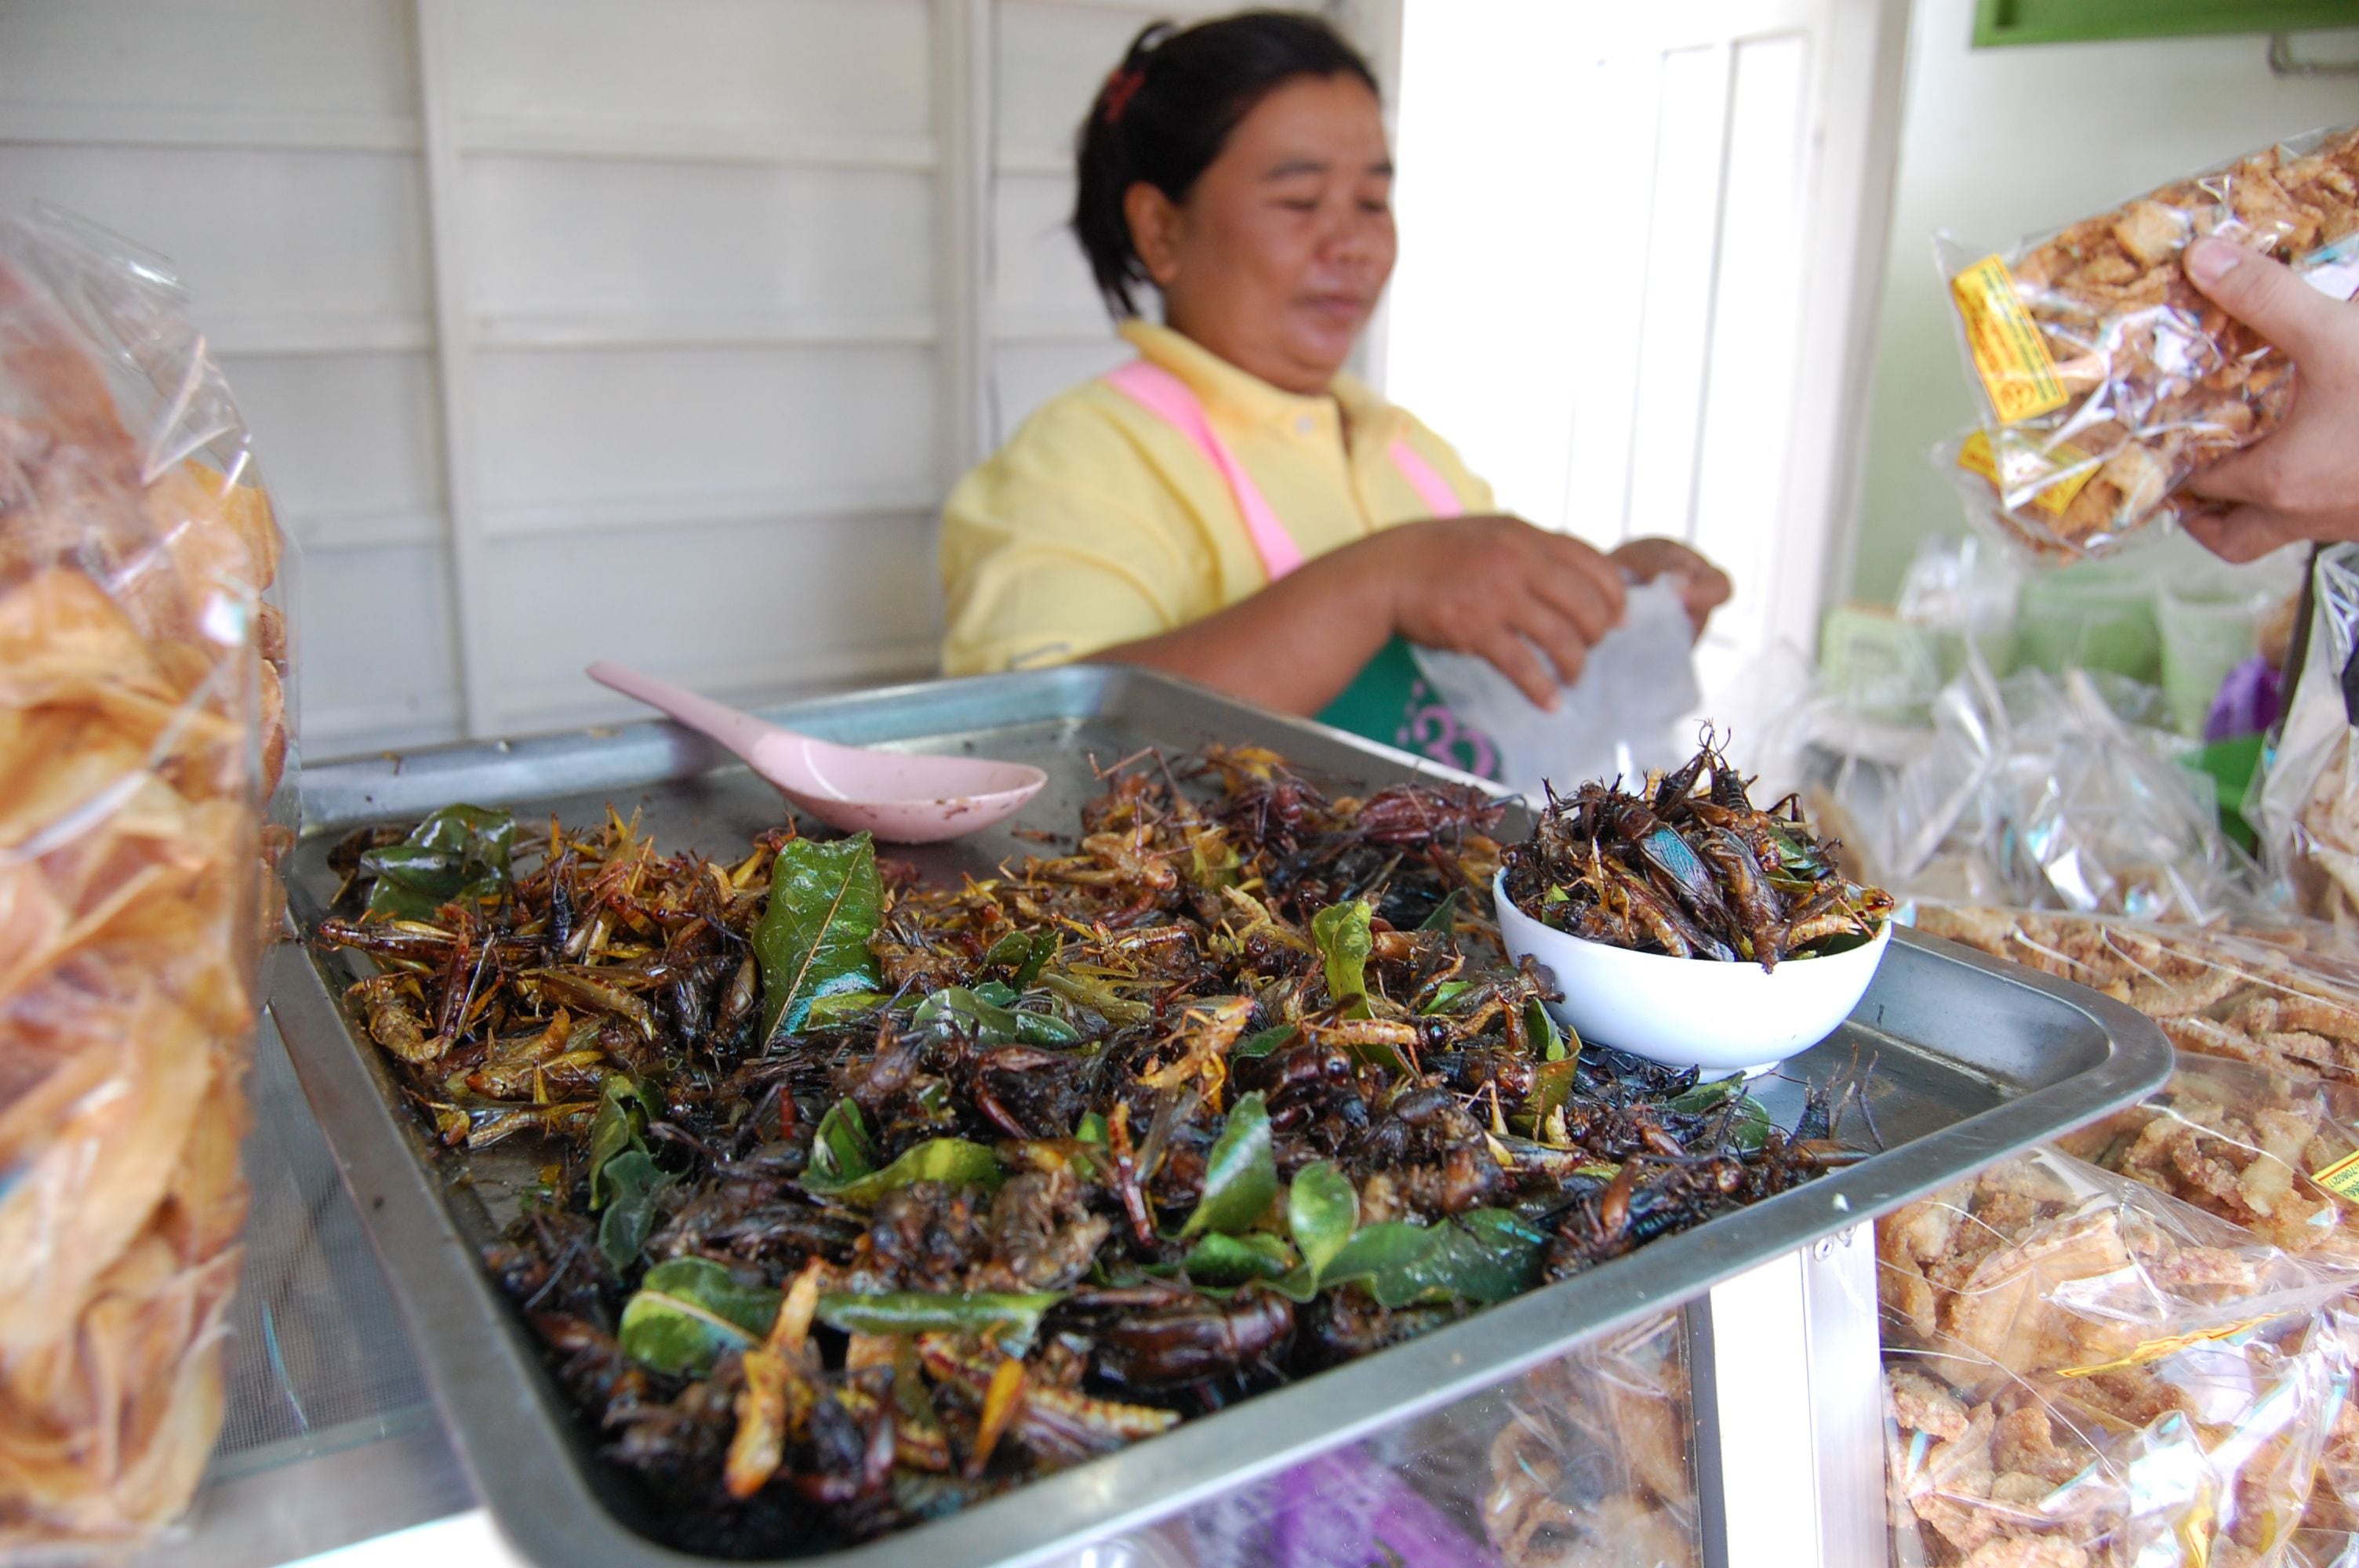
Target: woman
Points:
(1230, 507)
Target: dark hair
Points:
(1167, 111)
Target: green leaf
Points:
(1092, 1128)
(1751, 1129)
(843, 1007)
(1344, 940)
(1706, 1097)
(1022, 953)
(1261, 1042)
(840, 1150)
(689, 1310)
(1240, 1173)
(1444, 917)
(459, 854)
(985, 1016)
(951, 1160)
(1552, 1086)
(1445, 993)
(1218, 1259)
(631, 1182)
(1387, 1250)
(1541, 1026)
(1486, 1255)
(1002, 1317)
(624, 1109)
(826, 900)
(1322, 1209)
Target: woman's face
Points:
(1279, 255)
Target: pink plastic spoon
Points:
(905, 799)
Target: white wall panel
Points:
(549, 237)
(832, 68)
(373, 654)
(783, 605)
(581, 430)
(1027, 375)
(347, 442)
(319, 58)
(255, 235)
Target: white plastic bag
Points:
(1622, 716)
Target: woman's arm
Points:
(1492, 586)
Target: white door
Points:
(1641, 250)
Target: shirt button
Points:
(1305, 425)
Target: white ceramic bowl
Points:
(1693, 1012)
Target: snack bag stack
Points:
(142, 729)
(2107, 380)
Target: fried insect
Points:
(1047, 1187)
(1690, 873)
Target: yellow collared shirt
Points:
(1098, 524)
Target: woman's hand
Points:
(1704, 588)
(1499, 588)
(2301, 481)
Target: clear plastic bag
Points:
(1586, 1461)
(2308, 814)
(2082, 1370)
(142, 729)
(2034, 792)
(2260, 994)
(2272, 1151)
(2107, 379)
(1621, 716)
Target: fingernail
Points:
(2210, 260)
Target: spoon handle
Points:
(738, 731)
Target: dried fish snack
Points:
(1691, 868)
(2107, 379)
(2275, 997)
(142, 728)
(2084, 1370)
(865, 1198)
(2274, 1152)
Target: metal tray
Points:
(1975, 1058)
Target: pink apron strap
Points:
(1168, 398)
(1431, 487)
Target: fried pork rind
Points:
(1592, 1468)
(2242, 1141)
(2084, 1370)
(142, 727)
(2260, 995)
(2159, 381)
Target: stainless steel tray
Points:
(1975, 1058)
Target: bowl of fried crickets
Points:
(1683, 924)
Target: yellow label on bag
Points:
(2155, 1349)
(2340, 1178)
(2009, 353)
(1975, 458)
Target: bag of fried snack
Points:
(2269, 995)
(2107, 380)
(1592, 1464)
(142, 729)
(2307, 806)
(2274, 1152)
(2082, 1370)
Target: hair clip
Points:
(1120, 89)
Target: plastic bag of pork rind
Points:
(2107, 380)
(2085, 1371)
(2281, 997)
(142, 729)
(2274, 1152)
